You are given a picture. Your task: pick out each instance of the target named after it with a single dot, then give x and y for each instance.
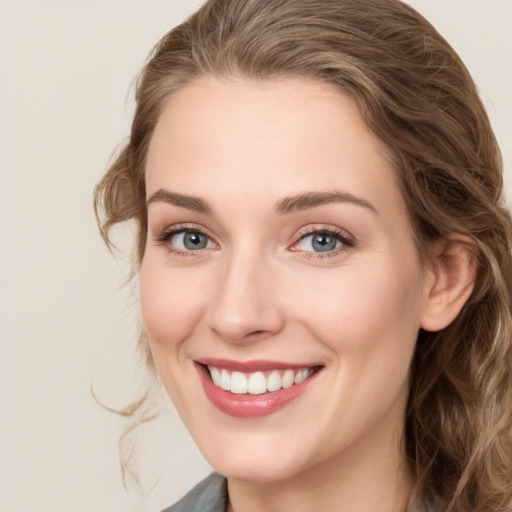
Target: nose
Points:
(245, 306)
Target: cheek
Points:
(367, 309)
(171, 304)
(369, 322)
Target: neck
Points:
(373, 477)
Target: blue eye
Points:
(319, 242)
(187, 240)
(323, 242)
(190, 241)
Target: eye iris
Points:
(194, 241)
(323, 242)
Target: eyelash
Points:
(165, 237)
(347, 241)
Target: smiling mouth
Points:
(258, 382)
(254, 389)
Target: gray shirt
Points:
(211, 495)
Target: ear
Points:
(450, 281)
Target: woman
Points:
(324, 258)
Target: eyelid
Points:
(164, 236)
(347, 240)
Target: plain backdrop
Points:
(66, 321)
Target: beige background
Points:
(65, 320)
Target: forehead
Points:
(276, 137)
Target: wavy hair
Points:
(417, 97)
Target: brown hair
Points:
(418, 98)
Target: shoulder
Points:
(210, 495)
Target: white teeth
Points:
(215, 373)
(288, 378)
(257, 383)
(225, 380)
(238, 383)
(274, 381)
(300, 376)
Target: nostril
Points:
(256, 334)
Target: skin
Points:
(259, 291)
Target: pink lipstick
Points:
(253, 389)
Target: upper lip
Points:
(251, 366)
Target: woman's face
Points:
(280, 254)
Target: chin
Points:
(263, 458)
(256, 472)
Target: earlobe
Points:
(451, 278)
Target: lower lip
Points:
(247, 405)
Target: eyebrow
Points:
(183, 201)
(308, 200)
(290, 204)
